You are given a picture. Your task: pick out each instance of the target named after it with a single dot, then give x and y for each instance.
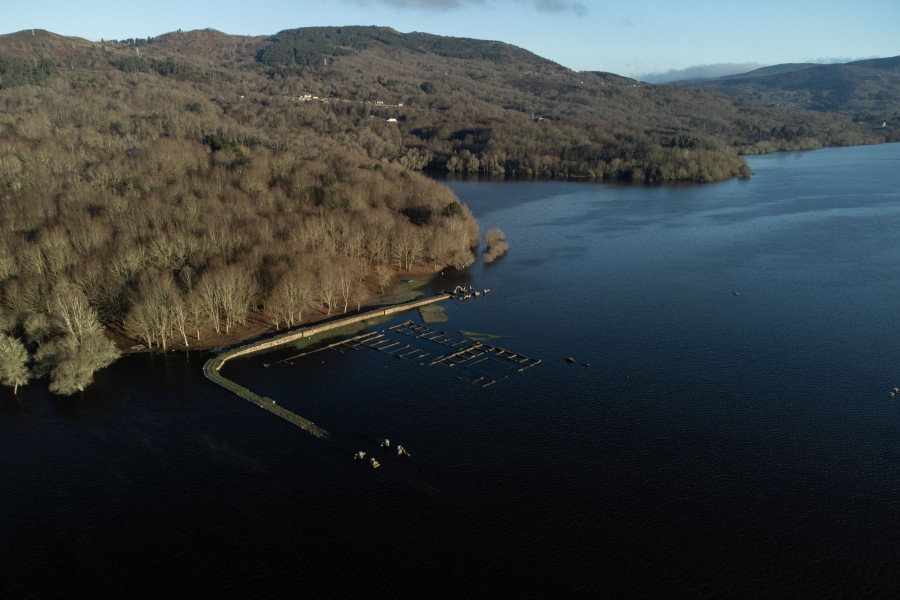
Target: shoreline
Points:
(258, 327)
(213, 366)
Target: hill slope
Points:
(868, 90)
(460, 105)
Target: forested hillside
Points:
(867, 90)
(168, 189)
(160, 202)
(484, 107)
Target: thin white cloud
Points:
(422, 4)
(699, 72)
(559, 6)
(549, 6)
(834, 61)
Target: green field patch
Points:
(338, 332)
(433, 313)
(482, 337)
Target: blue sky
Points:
(628, 37)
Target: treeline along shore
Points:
(136, 209)
(183, 239)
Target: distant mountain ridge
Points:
(760, 72)
(307, 46)
(868, 90)
(456, 104)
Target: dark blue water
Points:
(732, 435)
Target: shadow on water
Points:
(447, 280)
(84, 407)
(17, 408)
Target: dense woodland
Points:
(867, 90)
(168, 189)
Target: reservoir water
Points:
(725, 429)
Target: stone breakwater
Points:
(211, 370)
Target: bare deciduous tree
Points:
(73, 313)
(194, 311)
(228, 292)
(139, 322)
(294, 292)
(329, 287)
(13, 362)
(495, 240)
(72, 366)
(72, 359)
(384, 275)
